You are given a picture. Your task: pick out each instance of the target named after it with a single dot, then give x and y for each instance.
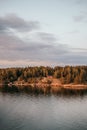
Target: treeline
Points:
(67, 74)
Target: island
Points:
(44, 80)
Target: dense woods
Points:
(67, 74)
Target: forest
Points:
(66, 74)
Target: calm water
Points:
(25, 112)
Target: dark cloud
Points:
(14, 22)
(40, 48)
(13, 49)
(75, 59)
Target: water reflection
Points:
(43, 90)
(31, 112)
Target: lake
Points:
(42, 112)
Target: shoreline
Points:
(44, 85)
(66, 86)
(68, 89)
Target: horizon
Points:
(43, 66)
(43, 33)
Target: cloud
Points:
(46, 36)
(80, 49)
(79, 18)
(37, 48)
(80, 2)
(12, 21)
(16, 49)
(76, 59)
(18, 53)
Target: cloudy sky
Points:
(43, 32)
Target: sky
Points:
(43, 33)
